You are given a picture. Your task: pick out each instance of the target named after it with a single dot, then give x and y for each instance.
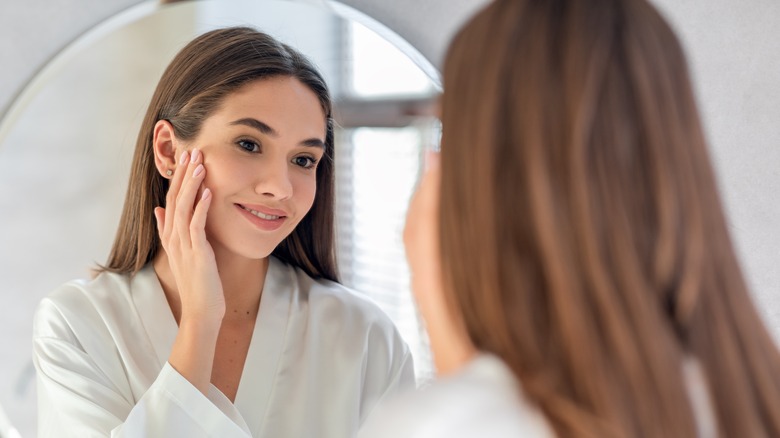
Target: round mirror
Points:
(66, 144)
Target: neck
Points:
(242, 284)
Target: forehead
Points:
(284, 103)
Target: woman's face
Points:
(261, 149)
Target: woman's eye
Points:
(248, 146)
(305, 162)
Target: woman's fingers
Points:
(181, 224)
(173, 193)
(185, 200)
(198, 224)
(421, 232)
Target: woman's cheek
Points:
(306, 190)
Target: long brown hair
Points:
(582, 235)
(201, 75)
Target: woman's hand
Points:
(181, 225)
(421, 236)
(450, 342)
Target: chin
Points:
(255, 252)
(248, 247)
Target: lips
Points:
(261, 211)
(265, 218)
(260, 214)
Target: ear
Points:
(166, 148)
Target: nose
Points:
(274, 181)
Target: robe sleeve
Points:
(401, 381)
(78, 398)
(404, 379)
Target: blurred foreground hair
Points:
(583, 239)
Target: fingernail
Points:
(198, 170)
(183, 157)
(206, 194)
(195, 154)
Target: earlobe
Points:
(165, 146)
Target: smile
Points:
(268, 217)
(266, 221)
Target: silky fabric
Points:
(484, 399)
(320, 359)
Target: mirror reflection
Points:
(67, 144)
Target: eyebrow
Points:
(267, 130)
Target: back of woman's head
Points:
(583, 239)
(191, 89)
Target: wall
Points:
(734, 50)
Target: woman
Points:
(225, 317)
(570, 253)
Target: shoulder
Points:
(352, 326)
(355, 313)
(483, 399)
(76, 306)
(338, 303)
(331, 296)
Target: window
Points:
(386, 123)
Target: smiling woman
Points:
(66, 146)
(225, 318)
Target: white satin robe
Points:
(482, 399)
(485, 399)
(320, 359)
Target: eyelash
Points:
(255, 147)
(311, 162)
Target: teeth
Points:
(268, 217)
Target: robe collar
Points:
(263, 360)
